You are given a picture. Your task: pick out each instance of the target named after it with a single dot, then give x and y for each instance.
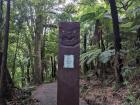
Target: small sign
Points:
(69, 61)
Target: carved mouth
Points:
(69, 34)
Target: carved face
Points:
(69, 34)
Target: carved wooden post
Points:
(68, 63)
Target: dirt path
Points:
(47, 94)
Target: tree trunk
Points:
(14, 60)
(53, 65)
(137, 45)
(85, 43)
(97, 37)
(1, 3)
(28, 71)
(43, 55)
(22, 74)
(37, 50)
(31, 43)
(102, 41)
(0, 59)
(5, 87)
(85, 66)
(30, 57)
(138, 34)
(117, 39)
(103, 69)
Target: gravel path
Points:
(47, 94)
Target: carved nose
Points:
(69, 36)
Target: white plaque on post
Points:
(69, 61)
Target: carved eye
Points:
(68, 32)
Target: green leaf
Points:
(127, 25)
(88, 16)
(106, 56)
(89, 56)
